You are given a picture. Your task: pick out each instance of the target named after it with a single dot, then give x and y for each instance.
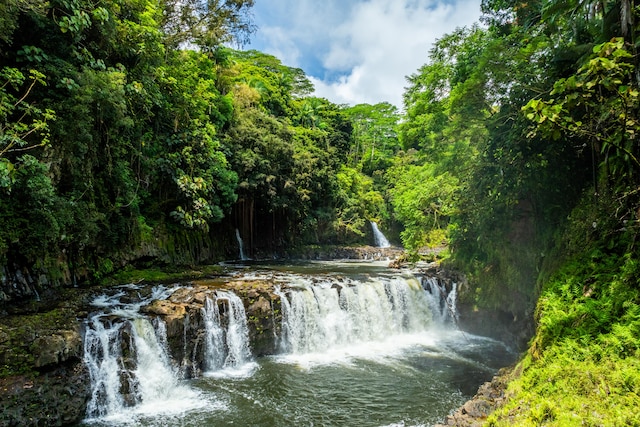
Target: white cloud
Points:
(371, 45)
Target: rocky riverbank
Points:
(490, 396)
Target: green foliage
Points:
(423, 201)
(206, 24)
(598, 104)
(121, 128)
(23, 126)
(375, 137)
(29, 212)
(584, 357)
(358, 203)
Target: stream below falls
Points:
(359, 345)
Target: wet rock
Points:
(165, 308)
(474, 412)
(261, 306)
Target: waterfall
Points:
(379, 238)
(226, 347)
(443, 304)
(129, 365)
(340, 313)
(127, 373)
(103, 356)
(243, 257)
(325, 318)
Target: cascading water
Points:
(379, 238)
(129, 366)
(373, 340)
(103, 357)
(441, 302)
(226, 348)
(342, 314)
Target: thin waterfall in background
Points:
(379, 238)
(243, 257)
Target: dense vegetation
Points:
(128, 123)
(546, 213)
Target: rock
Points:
(165, 308)
(57, 397)
(261, 306)
(477, 408)
(182, 295)
(474, 412)
(56, 348)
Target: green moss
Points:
(17, 333)
(132, 275)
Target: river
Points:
(360, 345)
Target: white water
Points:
(130, 369)
(102, 352)
(338, 319)
(442, 304)
(365, 337)
(379, 238)
(243, 257)
(226, 347)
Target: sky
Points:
(357, 51)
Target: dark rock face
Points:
(54, 398)
(511, 329)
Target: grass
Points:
(583, 365)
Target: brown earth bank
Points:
(43, 380)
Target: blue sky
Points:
(357, 51)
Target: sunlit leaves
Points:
(424, 201)
(599, 103)
(23, 126)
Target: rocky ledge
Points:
(490, 396)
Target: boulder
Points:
(56, 348)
